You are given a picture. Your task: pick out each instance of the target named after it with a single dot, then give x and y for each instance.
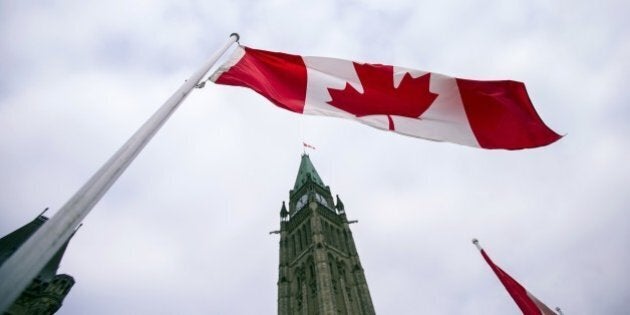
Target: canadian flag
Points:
(306, 145)
(486, 114)
(527, 302)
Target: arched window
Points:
(342, 245)
(299, 297)
(299, 241)
(307, 229)
(328, 234)
(302, 238)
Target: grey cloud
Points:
(184, 230)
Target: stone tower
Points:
(320, 271)
(46, 293)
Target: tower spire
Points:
(306, 171)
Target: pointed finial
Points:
(76, 229)
(41, 214)
(283, 211)
(339, 204)
(476, 242)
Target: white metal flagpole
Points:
(24, 265)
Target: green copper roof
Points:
(306, 167)
(11, 242)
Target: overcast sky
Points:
(185, 229)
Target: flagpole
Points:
(24, 265)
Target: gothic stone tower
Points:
(46, 293)
(320, 271)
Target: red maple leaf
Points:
(410, 99)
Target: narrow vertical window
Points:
(307, 228)
(302, 238)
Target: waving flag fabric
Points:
(486, 114)
(528, 303)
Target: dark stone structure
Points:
(46, 293)
(320, 271)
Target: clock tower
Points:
(320, 271)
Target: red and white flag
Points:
(528, 303)
(306, 145)
(486, 114)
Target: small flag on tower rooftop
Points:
(528, 303)
(308, 146)
(485, 114)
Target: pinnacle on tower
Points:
(46, 292)
(339, 205)
(283, 212)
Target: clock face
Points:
(301, 203)
(323, 201)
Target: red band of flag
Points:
(527, 302)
